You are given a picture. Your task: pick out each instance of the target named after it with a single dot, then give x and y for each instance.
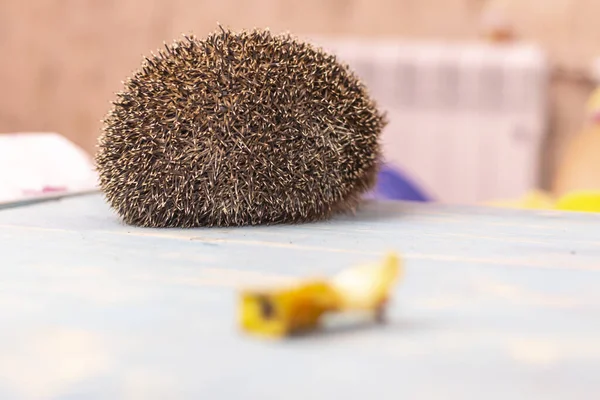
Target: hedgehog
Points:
(240, 128)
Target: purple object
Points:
(392, 184)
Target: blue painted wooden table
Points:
(496, 304)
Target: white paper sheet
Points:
(36, 165)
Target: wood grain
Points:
(496, 304)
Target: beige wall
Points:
(63, 59)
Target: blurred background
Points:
(63, 60)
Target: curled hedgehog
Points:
(246, 128)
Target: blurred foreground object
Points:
(38, 165)
(280, 312)
(580, 166)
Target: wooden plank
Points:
(27, 201)
(496, 304)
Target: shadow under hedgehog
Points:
(246, 128)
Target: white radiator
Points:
(467, 121)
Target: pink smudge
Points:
(46, 190)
